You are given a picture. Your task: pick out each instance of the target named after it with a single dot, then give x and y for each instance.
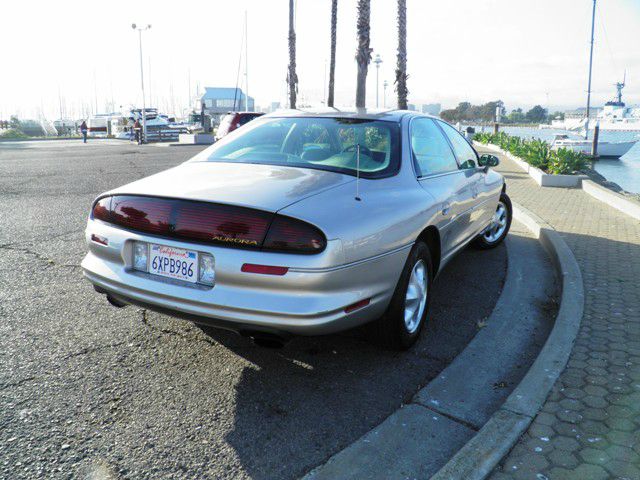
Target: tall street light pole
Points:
(144, 113)
(385, 84)
(377, 61)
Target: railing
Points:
(163, 134)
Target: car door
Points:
(439, 174)
(475, 212)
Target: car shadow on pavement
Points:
(297, 405)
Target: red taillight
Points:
(291, 235)
(221, 224)
(264, 269)
(102, 209)
(210, 223)
(152, 215)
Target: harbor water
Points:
(625, 171)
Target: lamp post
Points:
(144, 114)
(385, 84)
(377, 61)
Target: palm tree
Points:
(292, 78)
(401, 69)
(363, 53)
(332, 66)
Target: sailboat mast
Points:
(246, 61)
(593, 23)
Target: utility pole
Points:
(377, 61)
(246, 61)
(144, 114)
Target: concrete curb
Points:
(495, 439)
(432, 431)
(612, 198)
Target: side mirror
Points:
(469, 164)
(487, 160)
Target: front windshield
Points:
(308, 142)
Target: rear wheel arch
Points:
(431, 236)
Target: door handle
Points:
(446, 208)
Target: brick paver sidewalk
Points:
(589, 426)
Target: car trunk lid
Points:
(264, 187)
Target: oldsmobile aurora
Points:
(301, 223)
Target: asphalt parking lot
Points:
(87, 390)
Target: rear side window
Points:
(431, 150)
(461, 147)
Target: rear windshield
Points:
(319, 143)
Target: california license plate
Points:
(173, 263)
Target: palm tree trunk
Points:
(401, 69)
(363, 53)
(332, 65)
(292, 78)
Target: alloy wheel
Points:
(498, 225)
(416, 297)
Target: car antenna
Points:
(358, 172)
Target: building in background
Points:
(219, 100)
(274, 106)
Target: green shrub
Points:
(566, 162)
(13, 133)
(482, 137)
(537, 153)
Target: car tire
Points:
(495, 233)
(392, 330)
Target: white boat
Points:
(616, 115)
(159, 126)
(98, 124)
(605, 149)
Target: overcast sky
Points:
(476, 50)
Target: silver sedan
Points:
(301, 223)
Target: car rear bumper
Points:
(310, 299)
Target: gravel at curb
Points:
(484, 451)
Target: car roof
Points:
(349, 112)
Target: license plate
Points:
(173, 263)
